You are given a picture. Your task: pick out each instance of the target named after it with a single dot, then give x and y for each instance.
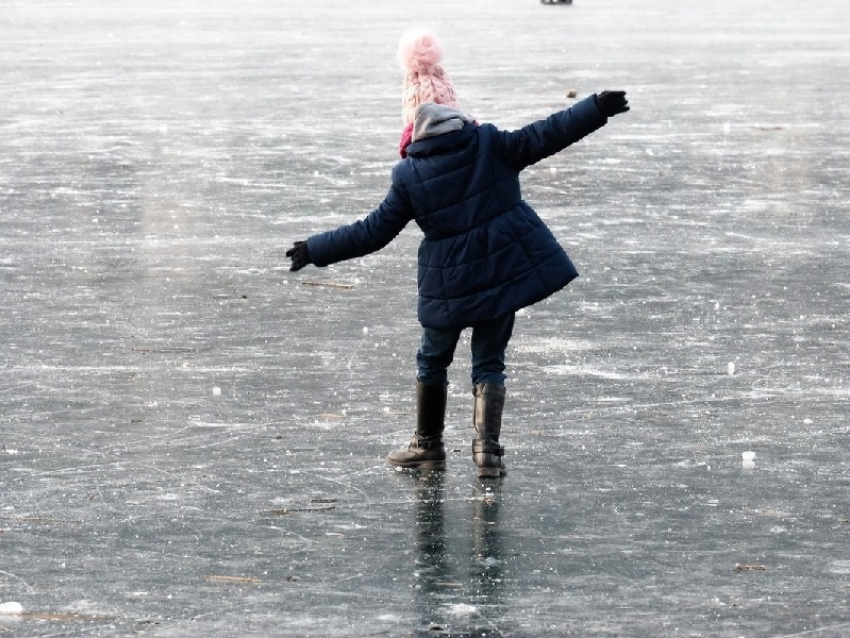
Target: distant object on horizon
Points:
(556, 1)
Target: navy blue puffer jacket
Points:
(485, 251)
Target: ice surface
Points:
(158, 160)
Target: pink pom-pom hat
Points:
(425, 80)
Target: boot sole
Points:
(490, 472)
(420, 465)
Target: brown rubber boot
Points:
(486, 451)
(426, 450)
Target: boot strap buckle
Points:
(485, 446)
(422, 443)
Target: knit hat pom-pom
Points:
(419, 51)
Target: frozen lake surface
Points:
(192, 438)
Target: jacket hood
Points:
(433, 119)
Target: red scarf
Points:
(406, 138)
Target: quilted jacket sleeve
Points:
(539, 140)
(366, 236)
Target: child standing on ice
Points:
(485, 253)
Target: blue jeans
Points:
(489, 342)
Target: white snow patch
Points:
(389, 618)
(11, 609)
(566, 370)
(555, 344)
(462, 609)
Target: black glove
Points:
(612, 103)
(300, 256)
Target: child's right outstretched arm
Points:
(366, 236)
(543, 138)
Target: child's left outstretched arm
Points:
(539, 140)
